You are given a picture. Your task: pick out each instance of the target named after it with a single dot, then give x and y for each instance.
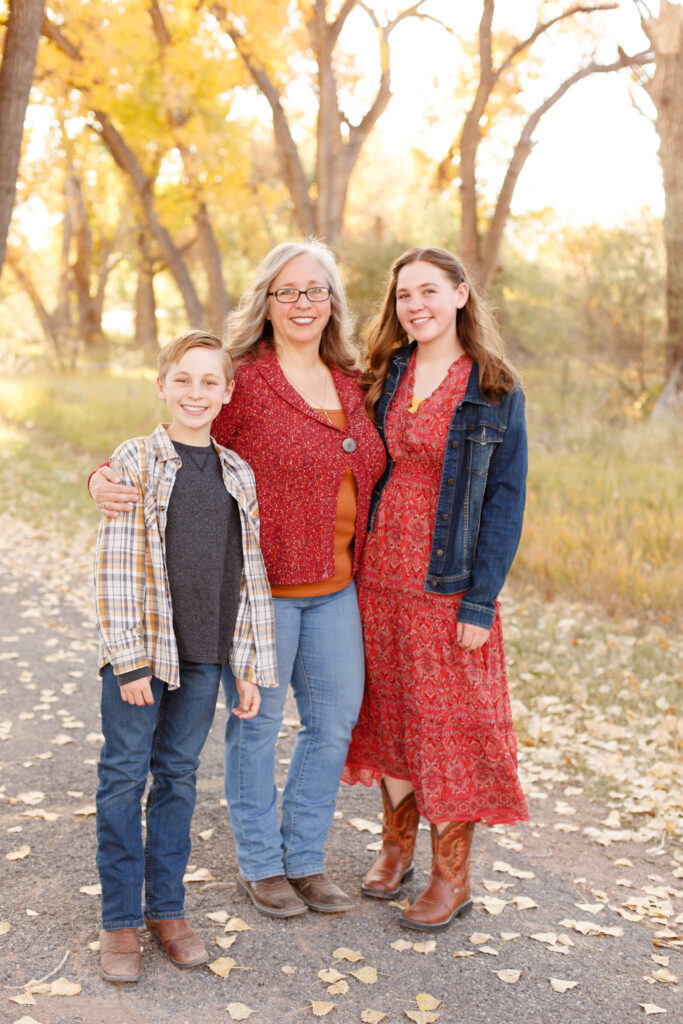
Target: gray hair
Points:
(246, 328)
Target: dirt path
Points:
(589, 893)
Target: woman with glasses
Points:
(297, 416)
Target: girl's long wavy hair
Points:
(475, 324)
(247, 328)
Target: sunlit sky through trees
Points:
(595, 155)
(595, 158)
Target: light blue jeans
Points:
(320, 652)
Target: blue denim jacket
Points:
(481, 496)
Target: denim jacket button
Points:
(455, 444)
(445, 516)
(440, 552)
(450, 481)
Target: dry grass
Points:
(604, 517)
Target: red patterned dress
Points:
(432, 713)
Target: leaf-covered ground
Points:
(578, 915)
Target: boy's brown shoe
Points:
(120, 956)
(180, 943)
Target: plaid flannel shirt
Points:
(132, 594)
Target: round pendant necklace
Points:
(348, 444)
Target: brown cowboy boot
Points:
(448, 893)
(395, 862)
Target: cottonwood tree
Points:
(664, 85)
(497, 88)
(282, 44)
(154, 86)
(16, 76)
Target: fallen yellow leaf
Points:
(21, 853)
(524, 902)
(664, 974)
(288, 970)
(401, 945)
(372, 1016)
(64, 987)
(352, 955)
(321, 1009)
(219, 916)
(560, 985)
(238, 1011)
(200, 875)
(6, 927)
(426, 1002)
(509, 976)
(340, 988)
(236, 924)
(367, 975)
(421, 1016)
(91, 890)
(363, 825)
(425, 947)
(652, 1008)
(23, 999)
(222, 966)
(493, 905)
(329, 975)
(33, 797)
(225, 941)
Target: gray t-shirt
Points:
(203, 557)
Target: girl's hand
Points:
(471, 638)
(250, 699)
(109, 494)
(138, 692)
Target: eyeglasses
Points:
(316, 293)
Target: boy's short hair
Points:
(174, 350)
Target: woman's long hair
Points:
(247, 329)
(476, 328)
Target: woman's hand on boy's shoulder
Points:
(138, 692)
(109, 494)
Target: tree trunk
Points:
(219, 300)
(16, 76)
(666, 90)
(146, 337)
(143, 186)
(90, 326)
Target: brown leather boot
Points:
(448, 893)
(120, 956)
(179, 942)
(395, 862)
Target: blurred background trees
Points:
(168, 145)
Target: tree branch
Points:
(523, 149)
(543, 27)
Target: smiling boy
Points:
(181, 590)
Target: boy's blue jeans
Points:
(164, 739)
(320, 652)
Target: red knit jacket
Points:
(298, 461)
